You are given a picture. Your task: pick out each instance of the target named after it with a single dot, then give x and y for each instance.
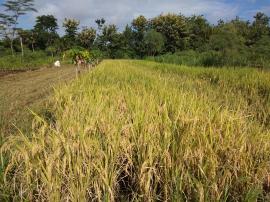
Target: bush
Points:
(30, 61)
(214, 58)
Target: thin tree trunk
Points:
(33, 48)
(11, 47)
(78, 70)
(22, 46)
(32, 42)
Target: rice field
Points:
(144, 131)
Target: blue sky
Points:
(122, 12)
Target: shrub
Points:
(30, 61)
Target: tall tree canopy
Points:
(192, 38)
(46, 23)
(260, 26)
(71, 29)
(173, 27)
(110, 41)
(45, 29)
(154, 42)
(199, 32)
(139, 27)
(87, 37)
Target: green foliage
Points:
(14, 9)
(46, 23)
(226, 39)
(213, 59)
(262, 46)
(52, 50)
(232, 43)
(30, 61)
(109, 41)
(87, 37)
(199, 32)
(260, 26)
(45, 31)
(71, 27)
(96, 54)
(129, 42)
(174, 29)
(154, 42)
(75, 53)
(260, 52)
(28, 38)
(139, 27)
(140, 24)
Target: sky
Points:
(121, 12)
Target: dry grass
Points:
(20, 92)
(142, 131)
(28, 90)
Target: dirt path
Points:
(21, 91)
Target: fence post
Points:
(78, 70)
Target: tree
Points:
(154, 42)
(260, 50)
(140, 24)
(14, 10)
(260, 26)
(87, 37)
(71, 28)
(25, 38)
(110, 41)
(226, 38)
(6, 23)
(199, 32)
(129, 42)
(46, 23)
(100, 23)
(139, 27)
(243, 29)
(173, 28)
(52, 50)
(45, 29)
(228, 44)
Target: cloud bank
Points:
(121, 12)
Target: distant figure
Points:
(79, 61)
(57, 64)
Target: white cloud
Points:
(122, 12)
(266, 9)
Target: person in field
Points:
(80, 61)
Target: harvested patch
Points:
(7, 72)
(22, 90)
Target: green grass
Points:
(213, 59)
(30, 61)
(144, 131)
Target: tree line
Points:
(236, 40)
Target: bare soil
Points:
(8, 72)
(21, 91)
